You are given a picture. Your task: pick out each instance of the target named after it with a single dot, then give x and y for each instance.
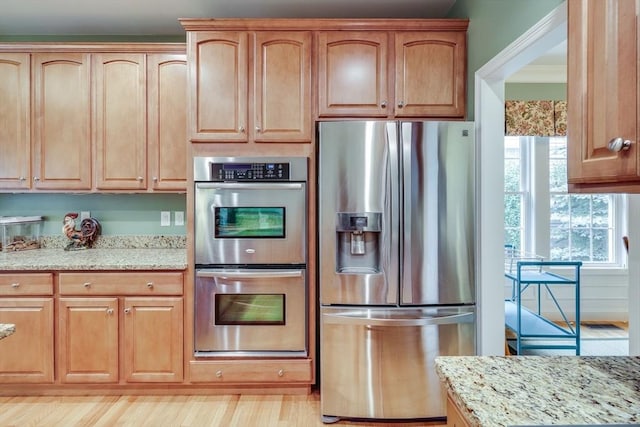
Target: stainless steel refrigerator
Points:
(396, 208)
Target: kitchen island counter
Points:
(543, 390)
(6, 329)
(95, 259)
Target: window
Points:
(542, 218)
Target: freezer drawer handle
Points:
(249, 274)
(251, 186)
(424, 321)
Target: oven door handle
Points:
(257, 274)
(249, 186)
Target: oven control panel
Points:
(250, 171)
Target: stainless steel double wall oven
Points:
(250, 256)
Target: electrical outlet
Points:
(165, 219)
(178, 218)
(84, 215)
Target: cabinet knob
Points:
(35, 178)
(218, 374)
(127, 310)
(150, 285)
(400, 104)
(281, 372)
(619, 144)
(155, 179)
(258, 129)
(15, 285)
(241, 130)
(383, 104)
(139, 179)
(22, 178)
(110, 311)
(86, 284)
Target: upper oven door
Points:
(250, 223)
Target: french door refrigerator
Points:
(396, 203)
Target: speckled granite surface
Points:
(6, 329)
(498, 391)
(110, 253)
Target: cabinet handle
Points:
(383, 104)
(241, 129)
(619, 144)
(15, 285)
(110, 311)
(127, 310)
(218, 374)
(150, 285)
(35, 178)
(155, 179)
(258, 129)
(281, 372)
(22, 178)
(139, 179)
(86, 284)
(400, 104)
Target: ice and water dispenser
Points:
(358, 242)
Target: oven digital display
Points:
(249, 222)
(250, 309)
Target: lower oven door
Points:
(250, 312)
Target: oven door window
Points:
(249, 222)
(249, 309)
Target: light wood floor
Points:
(170, 411)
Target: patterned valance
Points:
(535, 118)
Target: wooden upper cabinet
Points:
(430, 74)
(15, 116)
(120, 121)
(167, 121)
(62, 121)
(352, 74)
(282, 89)
(602, 91)
(219, 86)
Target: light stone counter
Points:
(494, 391)
(95, 259)
(6, 329)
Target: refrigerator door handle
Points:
(356, 318)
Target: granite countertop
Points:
(112, 253)
(543, 390)
(6, 329)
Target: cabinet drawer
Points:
(138, 283)
(251, 371)
(26, 284)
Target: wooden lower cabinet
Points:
(454, 417)
(285, 371)
(26, 356)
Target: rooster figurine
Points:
(83, 238)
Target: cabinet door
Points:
(602, 90)
(88, 340)
(62, 121)
(167, 121)
(120, 121)
(27, 354)
(218, 82)
(430, 74)
(153, 339)
(15, 139)
(352, 74)
(282, 93)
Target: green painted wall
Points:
(535, 91)
(119, 214)
(493, 25)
